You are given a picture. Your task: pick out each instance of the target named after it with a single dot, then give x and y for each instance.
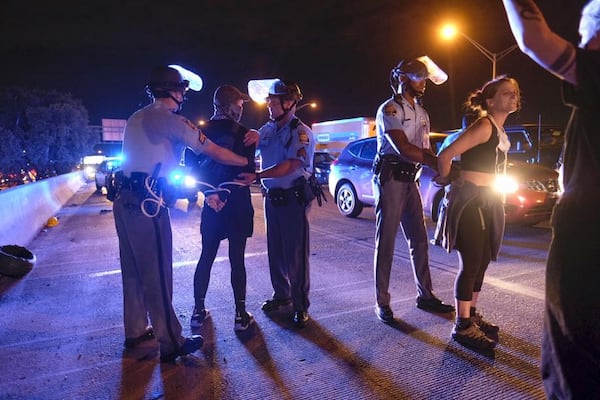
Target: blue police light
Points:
(176, 178)
(180, 178)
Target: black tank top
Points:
(481, 158)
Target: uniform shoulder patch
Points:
(189, 123)
(303, 136)
(389, 110)
(301, 153)
(201, 136)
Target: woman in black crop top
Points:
(473, 223)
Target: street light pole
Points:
(311, 105)
(449, 30)
(493, 57)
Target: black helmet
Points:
(287, 90)
(411, 68)
(165, 79)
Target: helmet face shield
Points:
(192, 80)
(434, 73)
(419, 69)
(258, 89)
(416, 70)
(181, 86)
(166, 79)
(417, 76)
(286, 90)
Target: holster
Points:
(279, 197)
(391, 167)
(137, 184)
(113, 185)
(305, 189)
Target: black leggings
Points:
(210, 246)
(474, 250)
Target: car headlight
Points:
(505, 184)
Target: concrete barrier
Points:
(25, 209)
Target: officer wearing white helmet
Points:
(286, 146)
(153, 142)
(402, 146)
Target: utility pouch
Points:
(304, 189)
(137, 183)
(277, 196)
(406, 172)
(308, 194)
(385, 171)
(377, 163)
(114, 184)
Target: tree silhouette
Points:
(42, 131)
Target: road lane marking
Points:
(177, 264)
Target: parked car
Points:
(104, 169)
(350, 184)
(322, 164)
(549, 137)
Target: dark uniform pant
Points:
(400, 203)
(288, 248)
(145, 248)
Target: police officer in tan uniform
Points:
(402, 145)
(154, 140)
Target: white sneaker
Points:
(198, 317)
(242, 321)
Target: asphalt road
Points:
(61, 329)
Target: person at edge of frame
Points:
(571, 336)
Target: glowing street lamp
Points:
(311, 105)
(449, 31)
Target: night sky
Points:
(340, 52)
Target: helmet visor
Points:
(258, 89)
(191, 80)
(434, 73)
